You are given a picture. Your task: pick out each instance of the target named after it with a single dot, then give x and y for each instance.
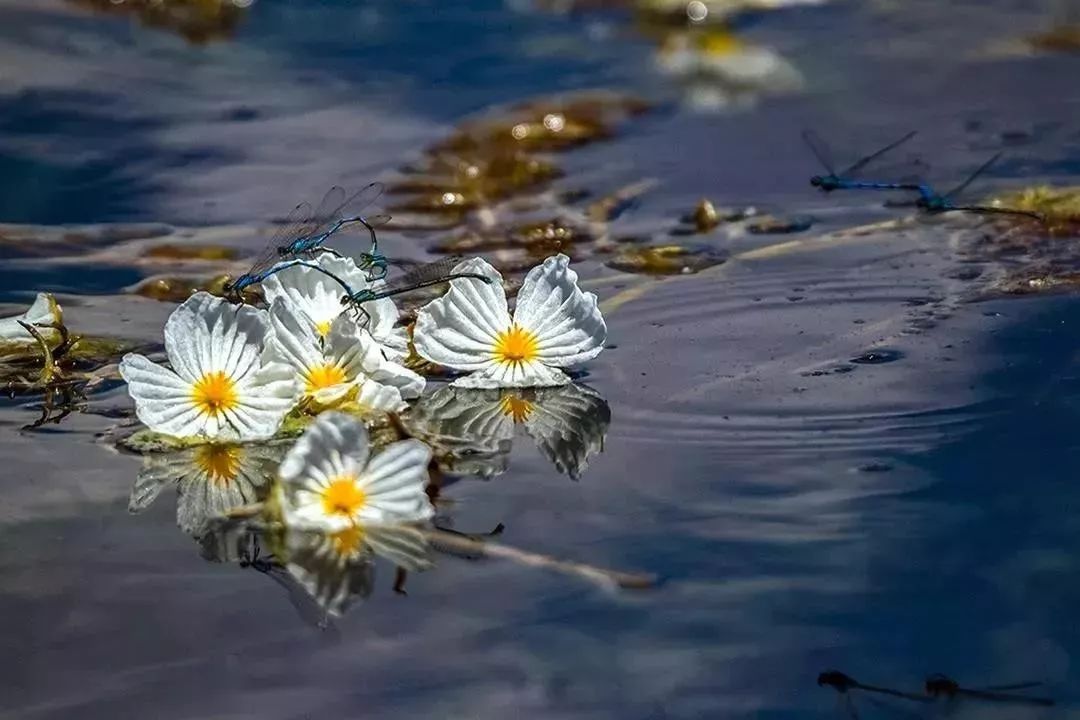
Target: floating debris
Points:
(666, 259)
(178, 289)
(197, 21)
(478, 179)
(775, 225)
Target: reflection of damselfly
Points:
(933, 202)
(938, 688)
(847, 179)
(939, 685)
(305, 231)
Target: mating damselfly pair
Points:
(303, 236)
(929, 200)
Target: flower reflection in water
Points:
(473, 430)
(322, 572)
(210, 480)
(717, 70)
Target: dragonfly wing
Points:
(362, 198)
(875, 155)
(374, 221)
(820, 149)
(292, 226)
(971, 178)
(327, 211)
(425, 273)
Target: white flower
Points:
(210, 479)
(328, 483)
(44, 311)
(345, 359)
(555, 325)
(319, 297)
(217, 388)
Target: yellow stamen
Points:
(323, 376)
(214, 393)
(516, 345)
(516, 407)
(323, 328)
(347, 542)
(343, 497)
(221, 463)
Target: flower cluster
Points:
(236, 372)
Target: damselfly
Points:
(943, 686)
(309, 236)
(846, 178)
(433, 273)
(304, 232)
(933, 202)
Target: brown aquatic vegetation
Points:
(197, 21)
(178, 289)
(1031, 256)
(666, 259)
(58, 366)
(487, 182)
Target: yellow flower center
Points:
(323, 328)
(342, 497)
(214, 393)
(220, 463)
(721, 43)
(349, 541)
(515, 345)
(516, 407)
(324, 376)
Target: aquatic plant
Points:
(45, 313)
(345, 364)
(318, 297)
(329, 481)
(218, 387)
(554, 325)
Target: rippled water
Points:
(834, 453)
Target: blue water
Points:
(804, 511)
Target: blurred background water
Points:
(890, 519)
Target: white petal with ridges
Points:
(513, 375)
(335, 444)
(566, 322)
(163, 400)
(459, 329)
(394, 482)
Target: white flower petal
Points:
(513, 375)
(317, 294)
(567, 323)
(376, 397)
(294, 341)
(163, 401)
(44, 311)
(356, 350)
(334, 444)
(383, 327)
(459, 329)
(394, 483)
